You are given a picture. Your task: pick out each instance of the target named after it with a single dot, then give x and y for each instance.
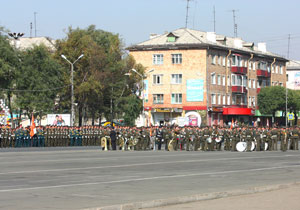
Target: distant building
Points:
(204, 77)
(293, 75)
(24, 43)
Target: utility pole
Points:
(187, 12)
(289, 41)
(214, 19)
(35, 23)
(72, 87)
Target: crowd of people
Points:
(157, 137)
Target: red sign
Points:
(237, 111)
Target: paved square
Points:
(77, 178)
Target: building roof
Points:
(293, 65)
(188, 38)
(24, 43)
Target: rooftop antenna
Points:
(234, 23)
(187, 12)
(30, 29)
(35, 23)
(289, 40)
(214, 19)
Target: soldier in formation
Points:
(160, 138)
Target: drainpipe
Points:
(248, 76)
(229, 53)
(271, 70)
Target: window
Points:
(244, 99)
(237, 60)
(219, 60)
(171, 39)
(262, 65)
(239, 80)
(228, 100)
(246, 63)
(219, 99)
(233, 80)
(281, 69)
(253, 101)
(249, 83)
(158, 98)
(213, 59)
(249, 102)
(219, 79)
(233, 99)
(176, 98)
(253, 83)
(213, 98)
(281, 84)
(176, 58)
(269, 68)
(258, 85)
(224, 61)
(273, 69)
(158, 59)
(250, 65)
(157, 79)
(273, 83)
(254, 66)
(224, 100)
(176, 78)
(276, 70)
(228, 80)
(213, 78)
(223, 80)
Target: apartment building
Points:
(200, 77)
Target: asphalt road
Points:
(78, 178)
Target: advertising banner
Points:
(59, 119)
(297, 81)
(194, 90)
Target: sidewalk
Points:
(281, 199)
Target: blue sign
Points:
(194, 90)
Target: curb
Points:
(193, 198)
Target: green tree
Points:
(8, 66)
(38, 81)
(100, 81)
(271, 99)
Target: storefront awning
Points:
(237, 111)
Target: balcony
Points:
(239, 89)
(239, 70)
(257, 90)
(263, 73)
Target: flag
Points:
(32, 127)
(231, 126)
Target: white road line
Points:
(145, 179)
(102, 158)
(139, 164)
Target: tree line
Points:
(37, 80)
(273, 98)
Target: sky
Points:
(269, 21)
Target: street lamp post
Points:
(142, 77)
(72, 86)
